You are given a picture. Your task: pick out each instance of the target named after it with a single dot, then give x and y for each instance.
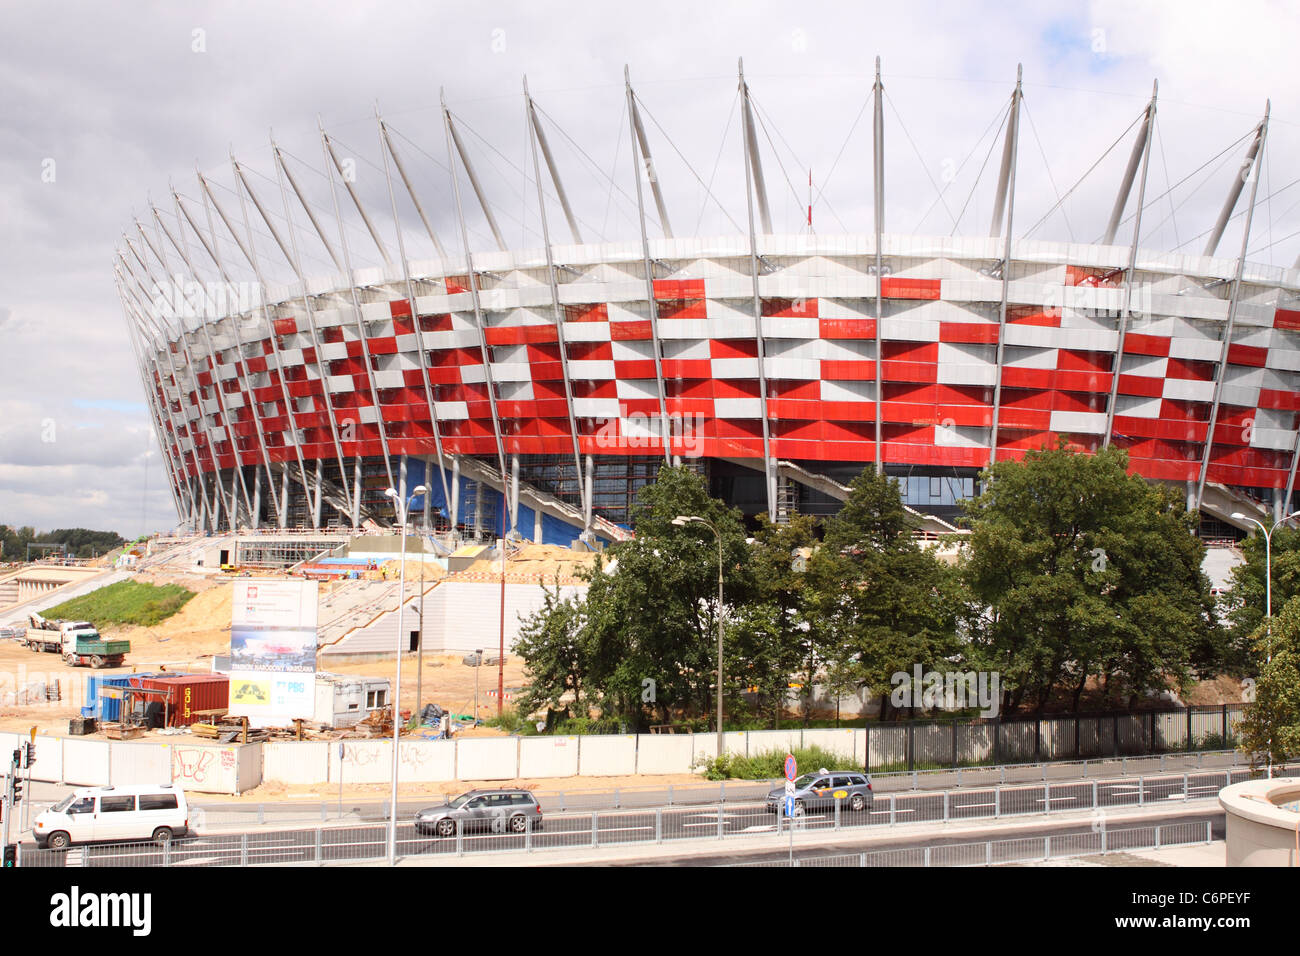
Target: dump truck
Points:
(78, 641)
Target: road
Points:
(650, 825)
(1119, 838)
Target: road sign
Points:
(791, 767)
(789, 805)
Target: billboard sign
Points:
(273, 651)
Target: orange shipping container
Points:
(187, 694)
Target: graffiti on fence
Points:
(191, 765)
(360, 755)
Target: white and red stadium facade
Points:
(541, 387)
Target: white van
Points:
(114, 815)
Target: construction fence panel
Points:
(932, 745)
(1207, 729)
(975, 743)
(1057, 739)
(887, 746)
(428, 761)
(363, 761)
(839, 742)
(487, 758)
(1171, 731)
(296, 762)
(1091, 743)
(548, 756)
(602, 756)
(664, 753)
(1017, 742)
(85, 762)
(229, 768)
(49, 758)
(139, 763)
(772, 741)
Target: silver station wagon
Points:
(823, 789)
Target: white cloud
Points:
(122, 104)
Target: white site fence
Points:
(209, 767)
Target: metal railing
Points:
(728, 791)
(1055, 846)
(664, 824)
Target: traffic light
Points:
(17, 790)
(30, 754)
(11, 855)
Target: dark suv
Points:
(823, 789)
(499, 811)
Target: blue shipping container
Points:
(108, 708)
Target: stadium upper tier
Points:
(787, 360)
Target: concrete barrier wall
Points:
(607, 756)
(548, 756)
(487, 758)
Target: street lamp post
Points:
(1268, 590)
(682, 521)
(402, 511)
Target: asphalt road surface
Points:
(651, 825)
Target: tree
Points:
(1082, 570)
(1270, 729)
(81, 542)
(1244, 601)
(880, 603)
(552, 641)
(770, 640)
(647, 629)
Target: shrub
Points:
(770, 765)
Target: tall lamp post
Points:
(681, 521)
(1268, 588)
(402, 510)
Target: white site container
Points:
(344, 701)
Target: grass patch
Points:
(126, 602)
(771, 764)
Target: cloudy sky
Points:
(106, 104)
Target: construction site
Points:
(454, 613)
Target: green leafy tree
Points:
(552, 640)
(1270, 728)
(1243, 602)
(880, 603)
(774, 644)
(1082, 570)
(651, 610)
